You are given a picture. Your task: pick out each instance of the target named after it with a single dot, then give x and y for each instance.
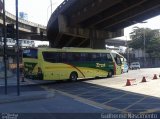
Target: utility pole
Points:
(17, 41)
(4, 47)
(127, 50)
(51, 6)
(144, 43)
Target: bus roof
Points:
(73, 49)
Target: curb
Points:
(27, 97)
(30, 83)
(34, 83)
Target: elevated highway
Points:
(87, 23)
(27, 29)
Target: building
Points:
(24, 43)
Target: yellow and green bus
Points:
(69, 63)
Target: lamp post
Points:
(4, 47)
(127, 50)
(50, 6)
(144, 41)
(17, 41)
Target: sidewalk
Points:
(12, 81)
(25, 95)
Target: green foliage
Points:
(153, 48)
(152, 40)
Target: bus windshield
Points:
(30, 53)
(117, 58)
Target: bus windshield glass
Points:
(30, 53)
(117, 58)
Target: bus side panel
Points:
(30, 66)
(118, 70)
(94, 69)
(91, 72)
(58, 71)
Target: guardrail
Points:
(24, 21)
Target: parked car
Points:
(135, 65)
(125, 67)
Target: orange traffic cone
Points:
(128, 82)
(155, 77)
(144, 79)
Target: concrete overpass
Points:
(27, 29)
(87, 23)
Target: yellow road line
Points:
(86, 101)
(115, 98)
(135, 103)
(151, 111)
(89, 102)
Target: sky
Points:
(39, 11)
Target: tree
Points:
(151, 37)
(153, 49)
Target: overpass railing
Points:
(25, 21)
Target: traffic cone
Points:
(144, 79)
(128, 82)
(155, 77)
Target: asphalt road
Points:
(96, 96)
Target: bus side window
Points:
(76, 57)
(103, 57)
(63, 57)
(95, 57)
(109, 58)
(70, 57)
(52, 57)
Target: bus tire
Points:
(40, 76)
(73, 76)
(110, 74)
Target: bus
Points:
(69, 63)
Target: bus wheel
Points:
(73, 76)
(40, 76)
(110, 74)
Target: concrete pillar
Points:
(62, 23)
(38, 30)
(95, 41)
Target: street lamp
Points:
(128, 58)
(17, 41)
(144, 40)
(4, 47)
(50, 6)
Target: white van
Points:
(135, 65)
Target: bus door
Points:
(117, 64)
